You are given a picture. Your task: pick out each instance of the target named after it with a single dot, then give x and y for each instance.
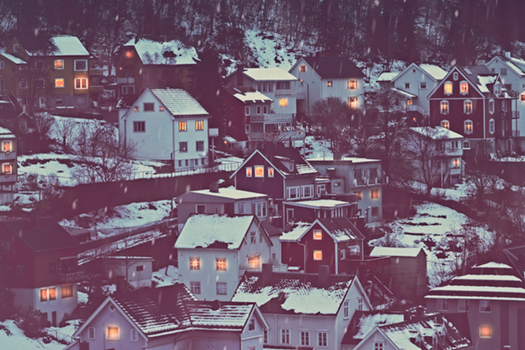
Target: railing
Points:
(273, 118)
(129, 80)
(283, 92)
(7, 155)
(71, 277)
(515, 133)
(416, 108)
(7, 178)
(227, 167)
(515, 114)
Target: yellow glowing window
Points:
(283, 102)
(270, 172)
(220, 264)
(52, 293)
(112, 333)
(183, 126)
(351, 84)
(329, 83)
(302, 68)
(7, 146)
(59, 64)
(448, 88)
(259, 171)
(195, 263)
(43, 294)
(468, 107)
(374, 194)
(59, 82)
(254, 261)
(136, 109)
(161, 108)
(7, 168)
(468, 127)
(464, 88)
(456, 163)
(66, 291)
(318, 235)
(409, 102)
(199, 125)
(318, 255)
(485, 331)
(81, 83)
(249, 172)
(352, 102)
(444, 107)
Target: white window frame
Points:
(445, 88)
(492, 106)
(81, 81)
(463, 305)
(445, 123)
(423, 86)
(461, 85)
(134, 335)
(94, 330)
(107, 332)
(346, 309)
(258, 110)
(246, 110)
(255, 167)
(303, 190)
(195, 267)
(379, 345)
(10, 168)
(63, 83)
(466, 144)
(10, 143)
(249, 171)
(342, 254)
(265, 109)
(55, 64)
(359, 304)
(317, 251)
(193, 287)
(407, 85)
(285, 336)
(465, 104)
(307, 338)
(492, 126)
(455, 76)
(222, 285)
(271, 172)
(442, 304)
(319, 339)
(465, 123)
(441, 104)
(80, 70)
(298, 192)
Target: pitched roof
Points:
(387, 76)
(334, 67)
(179, 102)
(398, 252)
(41, 234)
(481, 77)
(437, 132)
(268, 74)
(295, 293)
(340, 229)
(434, 71)
(13, 59)
(163, 53)
(363, 322)
(514, 63)
(247, 94)
(214, 231)
(225, 194)
(68, 45)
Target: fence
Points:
(225, 167)
(60, 336)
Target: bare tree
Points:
(67, 131)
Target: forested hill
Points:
(438, 31)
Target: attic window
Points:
(456, 75)
(161, 108)
(129, 54)
(112, 333)
(448, 88)
(270, 172)
(16, 48)
(251, 325)
(485, 331)
(318, 235)
(318, 255)
(463, 88)
(112, 307)
(302, 68)
(259, 171)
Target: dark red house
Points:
(474, 102)
(307, 246)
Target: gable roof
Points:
(437, 132)
(364, 322)
(387, 76)
(334, 67)
(478, 77)
(340, 229)
(41, 234)
(515, 64)
(225, 194)
(214, 231)
(434, 72)
(179, 102)
(13, 59)
(163, 53)
(268, 74)
(60, 45)
(398, 252)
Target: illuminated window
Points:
(409, 102)
(59, 64)
(270, 172)
(81, 83)
(329, 83)
(351, 84)
(353, 102)
(91, 333)
(259, 171)
(484, 306)
(149, 107)
(112, 333)
(220, 264)
(66, 291)
(455, 163)
(522, 97)
(161, 108)
(59, 82)
(136, 108)
(283, 102)
(302, 68)
(7, 168)
(183, 147)
(249, 172)
(491, 106)
(448, 88)
(134, 335)
(318, 255)
(247, 110)
(485, 331)
(52, 293)
(444, 107)
(445, 124)
(322, 339)
(23, 84)
(463, 88)
(467, 107)
(199, 125)
(183, 126)
(468, 126)
(254, 261)
(195, 287)
(374, 194)
(318, 235)
(139, 126)
(195, 263)
(492, 126)
(43, 294)
(222, 288)
(81, 65)
(129, 54)
(7, 146)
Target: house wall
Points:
(415, 76)
(406, 277)
(511, 77)
(375, 338)
(138, 279)
(519, 124)
(273, 187)
(235, 118)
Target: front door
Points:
(54, 318)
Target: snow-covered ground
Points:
(163, 278)
(13, 338)
(432, 222)
(269, 49)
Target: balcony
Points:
(515, 133)
(272, 118)
(7, 155)
(96, 71)
(284, 92)
(7, 178)
(71, 277)
(129, 80)
(416, 108)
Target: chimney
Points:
(324, 273)
(214, 187)
(507, 54)
(267, 272)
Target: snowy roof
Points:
(4, 131)
(398, 252)
(436, 72)
(163, 53)
(214, 231)
(320, 203)
(404, 93)
(340, 229)
(179, 102)
(493, 265)
(488, 278)
(230, 193)
(367, 322)
(387, 76)
(486, 80)
(437, 133)
(296, 232)
(262, 74)
(68, 45)
(296, 293)
(13, 59)
(355, 160)
(334, 67)
(252, 97)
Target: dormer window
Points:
(16, 47)
(302, 68)
(497, 89)
(463, 87)
(444, 107)
(448, 88)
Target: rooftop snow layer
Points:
(506, 278)
(262, 74)
(485, 80)
(436, 72)
(68, 46)
(6, 131)
(368, 322)
(437, 133)
(320, 203)
(387, 76)
(296, 232)
(232, 193)
(252, 97)
(13, 59)
(201, 231)
(494, 265)
(390, 251)
(179, 102)
(164, 53)
(404, 93)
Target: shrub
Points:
(7, 304)
(32, 322)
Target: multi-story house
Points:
(304, 310)
(321, 77)
(167, 125)
(39, 262)
(437, 155)
(9, 166)
(146, 63)
(493, 298)
(135, 270)
(360, 176)
(319, 208)
(214, 251)
(474, 102)
(56, 74)
(328, 242)
(170, 318)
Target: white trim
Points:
(80, 70)
(250, 157)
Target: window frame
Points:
(9, 148)
(351, 84)
(195, 287)
(317, 255)
(246, 110)
(442, 304)
(465, 305)
(148, 106)
(57, 80)
(311, 190)
(492, 106)
(81, 84)
(467, 123)
(78, 61)
(461, 85)
(271, 172)
(289, 192)
(183, 147)
(346, 309)
(283, 102)
(183, 126)
(329, 83)
(466, 107)
(68, 287)
(199, 125)
(444, 111)
(257, 259)
(44, 295)
(445, 89)
(117, 338)
(258, 171)
(322, 339)
(488, 307)
(304, 337)
(139, 126)
(249, 171)
(423, 86)
(197, 144)
(50, 295)
(374, 193)
(220, 264)
(91, 336)
(221, 288)
(481, 334)
(9, 165)
(134, 335)
(445, 124)
(302, 68)
(58, 66)
(492, 126)
(317, 235)
(195, 263)
(285, 336)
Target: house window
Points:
(285, 336)
(43, 294)
(407, 85)
(359, 304)
(149, 107)
(246, 110)
(270, 172)
(23, 84)
(249, 171)
(241, 208)
(329, 83)
(379, 346)
(346, 311)
(445, 123)
(183, 147)
(492, 126)
(136, 108)
(318, 235)
(200, 208)
(139, 126)
(59, 82)
(195, 263)
(455, 76)
(199, 125)
(80, 65)
(259, 171)
(308, 191)
(253, 237)
(161, 108)
(484, 306)
(409, 102)
(16, 47)
(491, 106)
(265, 109)
(265, 336)
(7, 146)
(375, 211)
(59, 64)
(134, 335)
(222, 288)
(258, 110)
(247, 129)
(466, 144)
(352, 102)
(467, 107)
(503, 71)
(305, 338)
(422, 86)
(199, 146)
(318, 255)
(7, 168)
(260, 209)
(52, 293)
(112, 333)
(293, 192)
(220, 264)
(468, 127)
(444, 107)
(183, 126)
(374, 193)
(455, 163)
(462, 305)
(448, 88)
(463, 88)
(485, 331)
(302, 68)
(254, 261)
(195, 287)
(442, 305)
(91, 333)
(359, 195)
(322, 339)
(522, 97)
(342, 254)
(66, 291)
(283, 102)
(283, 85)
(81, 83)
(351, 84)
(1, 64)
(40, 83)
(504, 105)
